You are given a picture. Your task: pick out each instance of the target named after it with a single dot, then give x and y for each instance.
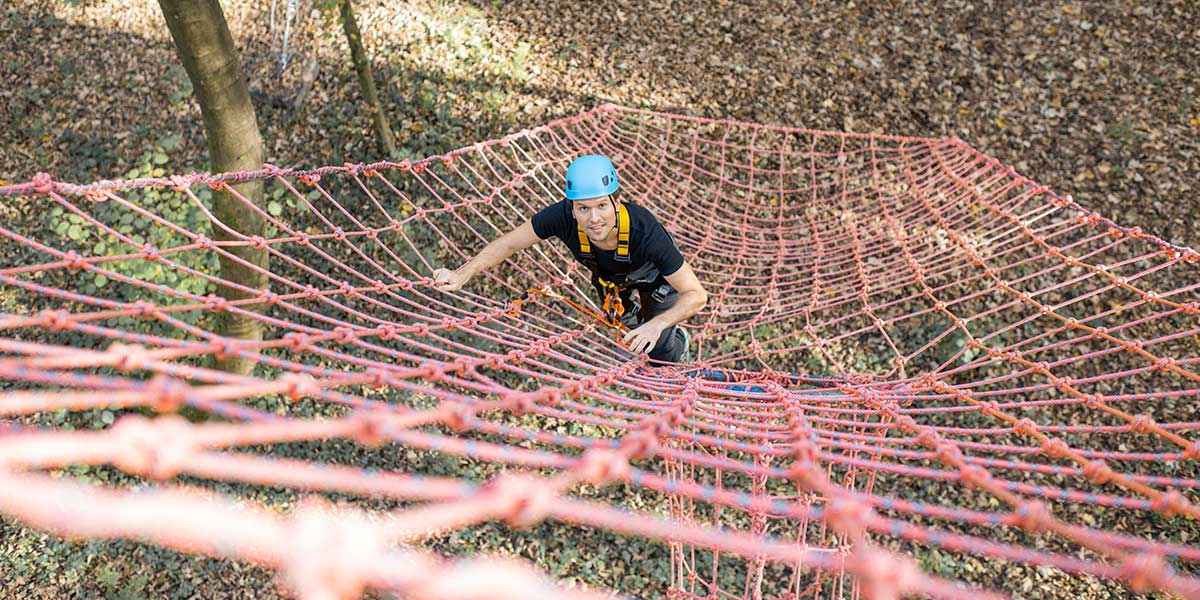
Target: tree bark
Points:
(206, 49)
(366, 79)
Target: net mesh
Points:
(908, 349)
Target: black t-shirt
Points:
(649, 241)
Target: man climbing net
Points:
(915, 367)
(625, 248)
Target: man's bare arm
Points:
(493, 254)
(692, 298)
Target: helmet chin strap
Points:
(616, 213)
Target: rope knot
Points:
(370, 428)
(1145, 572)
(167, 393)
(521, 501)
(150, 253)
(269, 298)
(1142, 424)
(298, 342)
(1055, 448)
(457, 416)
(433, 373)
(885, 576)
(552, 397)
(1097, 472)
(974, 475)
(153, 449)
(805, 450)
(462, 366)
(949, 454)
(329, 554)
(928, 437)
(521, 402)
(203, 242)
(389, 331)
(807, 475)
(42, 183)
(130, 357)
(303, 239)
(1063, 383)
(639, 444)
(1026, 427)
(1171, 503)
(1033, 516)
(990, 408)
(299, 385)
(601, 465)
(144, 309)
(258, 242)
(226, 349)
(75, 261)
(215, 303)
(907, 423)
(309, 178)
(848, 514)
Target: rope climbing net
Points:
(909, 351)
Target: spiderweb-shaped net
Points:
(909, 351)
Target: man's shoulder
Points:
(552, 220)
(557, 207)
(640, 214)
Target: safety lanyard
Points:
(613, 308)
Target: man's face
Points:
(597, 217)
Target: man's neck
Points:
(608, 243)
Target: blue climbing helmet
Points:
(591, 176)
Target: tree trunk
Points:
(366, 80)
(206, 50)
